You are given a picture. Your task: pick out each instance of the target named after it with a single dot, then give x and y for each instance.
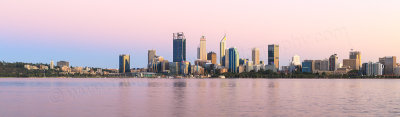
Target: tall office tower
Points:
(212, 56)
(51, 64)
(390, 63)
(255, 52)
(62, 63)
(151, 54)
(124, 63)
(179, 46)
(222, 50)
(273, 55)
(203, 52)
(233, 60)
(333, 62)
(295, 60)
(356, 55)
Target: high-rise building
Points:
(124, 63)
(295, 60)
(151, 54)
(357, 56)
(203, 52)
(390, 63)
(212, 56)
(333, 62)
(222, 50)
(51, 64)
(308, 66)
(62, 64)
(255, 56)
(179, 46)
(273, 55)
(233, 60)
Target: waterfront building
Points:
(372, 69)
(174, 68)
(179, 47)
(271, 67)
(255, 52)
(62, 64)
(249, 66)
(390, 63)
(185, 68)
(212, 56)
(243, 61)
(124, 63)
(333, 62)
(357, 56)
(222, 47)
(324, 65)
(273, 55)
(308, 66)
(233, 60)
(351, 63)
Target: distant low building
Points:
(62, 64)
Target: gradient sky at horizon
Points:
(94, 32)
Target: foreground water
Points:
(58, 97)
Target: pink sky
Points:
(313, 29)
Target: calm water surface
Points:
(53, 97)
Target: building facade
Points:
(390, 63)
(62, 64)
(333, 62)
(203, 52)
(222, 48)
(273, 55)
(255, 52)
(308, 66)
(179, 47)
(124, 63)
(233, 60)
(212, 56)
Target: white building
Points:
(373, 69)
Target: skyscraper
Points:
(151, 54)
(222, 50)
(273, 55)
(212, 56)
(333, 62)
(124, 63)
(356, 55)
(255, 56)
(179, 46)
(203, 52)
(233, 60)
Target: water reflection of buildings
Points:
(179, 98)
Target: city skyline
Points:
(73, 35)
